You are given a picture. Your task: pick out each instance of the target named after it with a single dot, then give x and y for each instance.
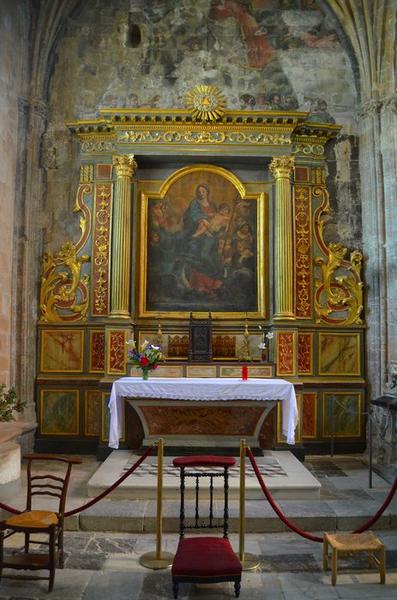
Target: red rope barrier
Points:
(305, 534)
(275, 507)
(10, 509)
(382, 509)
(69, 513)
(140, 460)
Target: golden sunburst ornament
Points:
(206, 103)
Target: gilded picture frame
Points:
(202, 247)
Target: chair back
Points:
(204, 468)
(40, 483)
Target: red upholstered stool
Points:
(205, 559)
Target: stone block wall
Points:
(297, 59)
(12, 59)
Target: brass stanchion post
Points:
(158, 559)
(249, 562)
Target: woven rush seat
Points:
(353, 543)
(195, 558)
(34, 519)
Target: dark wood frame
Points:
(37, 485)
(177, 579)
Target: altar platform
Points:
(345, 502)
(286, 477)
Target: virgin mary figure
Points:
(202, 272)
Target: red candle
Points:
(244, 372)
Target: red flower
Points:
(144, 361)
(155, 366)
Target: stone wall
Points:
(131, 53)
(14, 23)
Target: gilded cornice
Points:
(273, 131)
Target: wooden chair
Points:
(40, 522)
(354, 543)
(205, 559)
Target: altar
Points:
(202, 412)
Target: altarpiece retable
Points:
(194, 211)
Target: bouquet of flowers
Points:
(265, 336)
(146, 357)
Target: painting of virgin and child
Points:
(202, 247)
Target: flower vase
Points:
(145, 374)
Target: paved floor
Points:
(104, 565)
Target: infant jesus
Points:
(214, 223)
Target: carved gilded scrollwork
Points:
(206, 123)
(85, 217)
(88, 146)
(203, 137)
(307, 149)
(64, 293)
(101, 248)
(303, 252)
(339, 291)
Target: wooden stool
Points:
(350, 543)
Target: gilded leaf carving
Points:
(64, 292)
(339, 291)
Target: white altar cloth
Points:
(203, 390)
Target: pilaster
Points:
(125, 167)
(282, 169)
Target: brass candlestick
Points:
(159, 339)
(159, 335)
(246, 356)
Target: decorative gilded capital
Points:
(125, 165)
(282, 167)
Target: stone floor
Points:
(104, 565)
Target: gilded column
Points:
(125, 167)
(282, 168)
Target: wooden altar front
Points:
(140, 174)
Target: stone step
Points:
(285, 476)
(140, 516)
